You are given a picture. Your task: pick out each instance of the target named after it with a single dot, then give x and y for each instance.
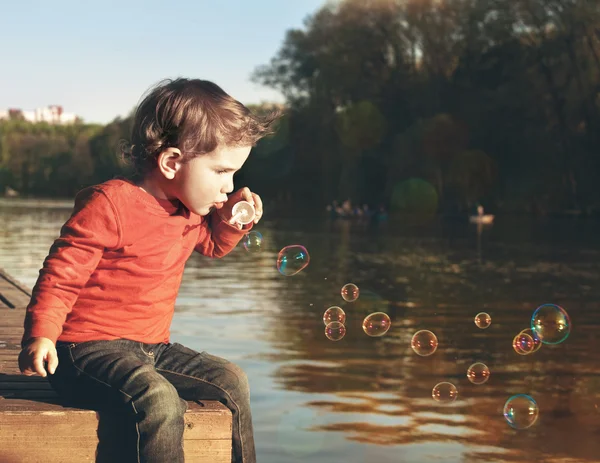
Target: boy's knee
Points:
(164, 402)
(236, 379)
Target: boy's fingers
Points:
(38, 366)
(52, 362)
(247, 195)
(258, 205)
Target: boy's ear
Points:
(169, 162)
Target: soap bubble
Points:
(551, 323)
(292, 259)
(537, 342)
(335, 331)
(521, 411)
(252, 241)
(424, 343)
(444, 392)
(334, 314)
(523, 344)
(478, 373)
(376, 324)
(350, 292)
(483, 320)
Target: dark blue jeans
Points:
(148, 385)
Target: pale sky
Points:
(97, 58)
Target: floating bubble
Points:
(252, 241)
(424, 343)
(350, 292)
(334, 314)
(444, 392)
(376, 324)
(478, 373)
(551, 323)
(537, 342)
(335, 331)
(523, 344)
(483, 320)
(292, 259)
(521, 411)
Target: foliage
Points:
(493, 101)
(481, 98)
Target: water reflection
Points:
(381, 390)
(369, 399)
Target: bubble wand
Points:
(243, 213)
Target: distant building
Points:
(52, 114)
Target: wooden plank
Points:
(10, 342)
(10, 367)
(14, 297)
(212, 420)
(16, 334)
(7, 280)
(27, 394)
(21, 385)
(53, 451)
(15, 324)
(11, 331)
(76, 451)
(21, 378)
(207, 451)
(13, 294)
(71, 435)
(5, 303)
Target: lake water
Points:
(367, 399)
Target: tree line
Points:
(483, 101)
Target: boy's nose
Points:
(228, 187)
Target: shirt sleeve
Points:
(218, 238)
(92, 228)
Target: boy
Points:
(98, 321)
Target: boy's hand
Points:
(34, 354)
(243, 194)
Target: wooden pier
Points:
(36, 427)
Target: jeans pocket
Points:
(78, 349)
(65, 345)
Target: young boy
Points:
(99, 317)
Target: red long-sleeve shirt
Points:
(116, 268)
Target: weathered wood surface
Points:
(12, 293)
(36, 427)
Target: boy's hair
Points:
(193, 115)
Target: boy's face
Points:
(202, 184)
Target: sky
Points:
(96, 59)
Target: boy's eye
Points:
(221, 171)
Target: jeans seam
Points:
(228, 395)
(137, 429)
